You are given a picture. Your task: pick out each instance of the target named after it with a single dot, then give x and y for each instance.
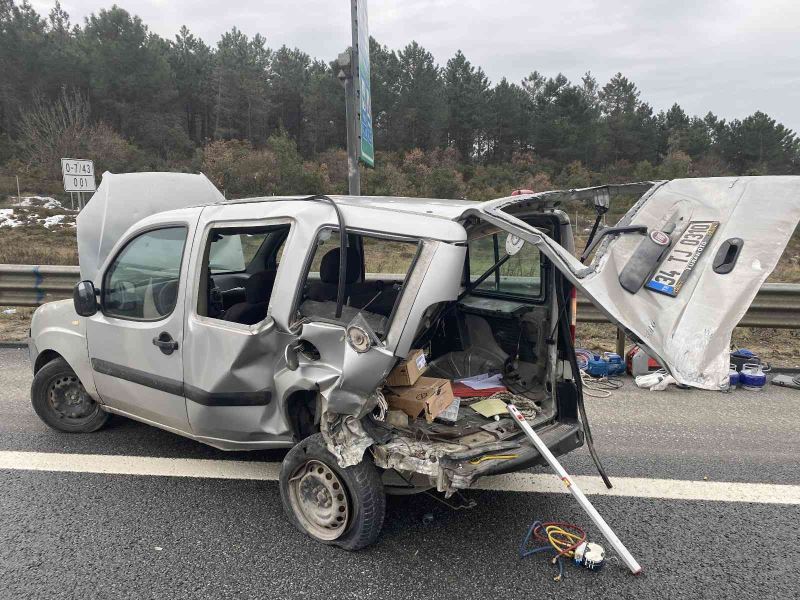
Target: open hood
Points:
(681, 281)
(122, 200)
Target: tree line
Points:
(112, 88)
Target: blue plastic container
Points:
(752, 377)
(734, 377)
(616, 366)
(597, 367)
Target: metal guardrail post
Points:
(621, 342)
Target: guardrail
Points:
(776, 304)
(33, 285)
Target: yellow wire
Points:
(561, 539)
(477, 461)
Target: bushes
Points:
(239, 170)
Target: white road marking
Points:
(631, 487)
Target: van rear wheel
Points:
(60, 400)
(341, 507)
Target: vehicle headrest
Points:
(258, 287)
(329, 267)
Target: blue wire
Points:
(524, 551)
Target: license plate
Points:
(676, 268)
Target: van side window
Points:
(520, 275)
(240, 266)
(142, 282)
(376, 271)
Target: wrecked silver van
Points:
(274, 322)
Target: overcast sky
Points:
(732, 57)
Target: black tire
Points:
(365, 498)
(60, 400)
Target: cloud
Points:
(732, 57)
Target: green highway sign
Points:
(366, 140)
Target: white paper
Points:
(483, 382)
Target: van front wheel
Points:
(341, 507)
(61, 401)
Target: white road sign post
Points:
(78, 176)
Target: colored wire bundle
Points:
(559, 538)
(583, 357)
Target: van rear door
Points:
(681, 283)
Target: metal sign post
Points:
(346, 78)
(354, 74)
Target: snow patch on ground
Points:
(26, 216)
(40, 202)
(52, 221)
(7, 218)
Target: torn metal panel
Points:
(413, 456)
(359, 374)
(345, 438)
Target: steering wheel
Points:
(166, 298)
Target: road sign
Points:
(78, 175)
(366, 142)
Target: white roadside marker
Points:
(630, 487)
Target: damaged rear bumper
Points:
(452, 467)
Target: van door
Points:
(681, 283)
(233, 345)
(136, 339)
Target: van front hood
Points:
(122, 200)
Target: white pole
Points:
(19, 196)
(570, 484)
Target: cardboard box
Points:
(428, 396)
(409, 370)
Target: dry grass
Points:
(14, 326)
(35, 245)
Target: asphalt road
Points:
(87, 535)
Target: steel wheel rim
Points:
(319, 500)
(68, 400)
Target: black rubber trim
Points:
(205, 398)
(178, 388)
(157, 382)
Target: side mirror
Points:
(84, 298)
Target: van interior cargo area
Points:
(478, 335)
